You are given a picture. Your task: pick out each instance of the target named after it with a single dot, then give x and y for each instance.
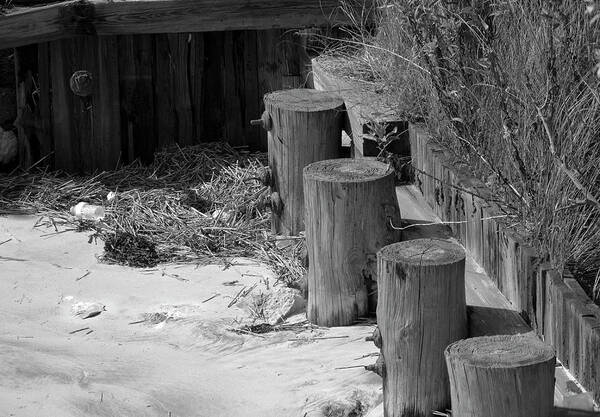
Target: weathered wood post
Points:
(350, 204)
(421, 310)
(303, 126)
(501, 376)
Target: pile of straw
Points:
(200, 204)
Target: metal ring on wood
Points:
(81, 83)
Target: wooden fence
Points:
(148, 92)
(556, 306)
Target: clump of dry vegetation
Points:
(201, 204)
(513, 87)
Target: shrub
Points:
(512, 87)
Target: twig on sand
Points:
(79, 330)
(350, 367)
(83, 276)
(368, 355)
(317, 338)
(137, 322)
(177, 277)
(246, 332)
(236, 298)
(6, 241)
(8, 258)
(211, 297)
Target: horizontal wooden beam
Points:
(564, 412)
(26, 25)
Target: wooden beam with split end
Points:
(26, 25)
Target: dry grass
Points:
(512, 87)
(200, 204)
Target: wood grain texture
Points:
(565, 412)
(164, 101)
(233, 83)
(349, 204)
(136, 59)
(280, 55)
(27, 107)
(106, 129)
(65, 129)
(159, 89)
(179, 46)
(196, 71)
(213, 100)
(44, 133)
(21, 26)
(86, 130)
(366, 105)
(499, 376)
(571, 323)
(421, 310)
(306, 127)
(251, 94)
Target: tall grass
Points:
(512, 87)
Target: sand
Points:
(182, 361)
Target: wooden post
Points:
(350, 204)
(304, 126)
(421, 309)
(501, 376)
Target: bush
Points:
(512, 87)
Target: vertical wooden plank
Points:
(255, 138)
(106, 128)
(196, 73)
(27, 116)
(136, 60)
(240, 87)
(166, 128)
(66, 154)
(8, 102)
(213, 97)
(558, 318)
(540, 298)
(83, 53)
(269, 63)
(45, 116)
(549, 316)
(179, 45)
(283, 61)
(233, 87)
(295, 60)
(590, 351)
(86, 130)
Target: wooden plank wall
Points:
(555, 305)
(456, 196)
(153, 91)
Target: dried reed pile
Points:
(199, 204)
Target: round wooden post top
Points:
(347, 170)
(304, 100)
(504, 351)
(423, 252)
